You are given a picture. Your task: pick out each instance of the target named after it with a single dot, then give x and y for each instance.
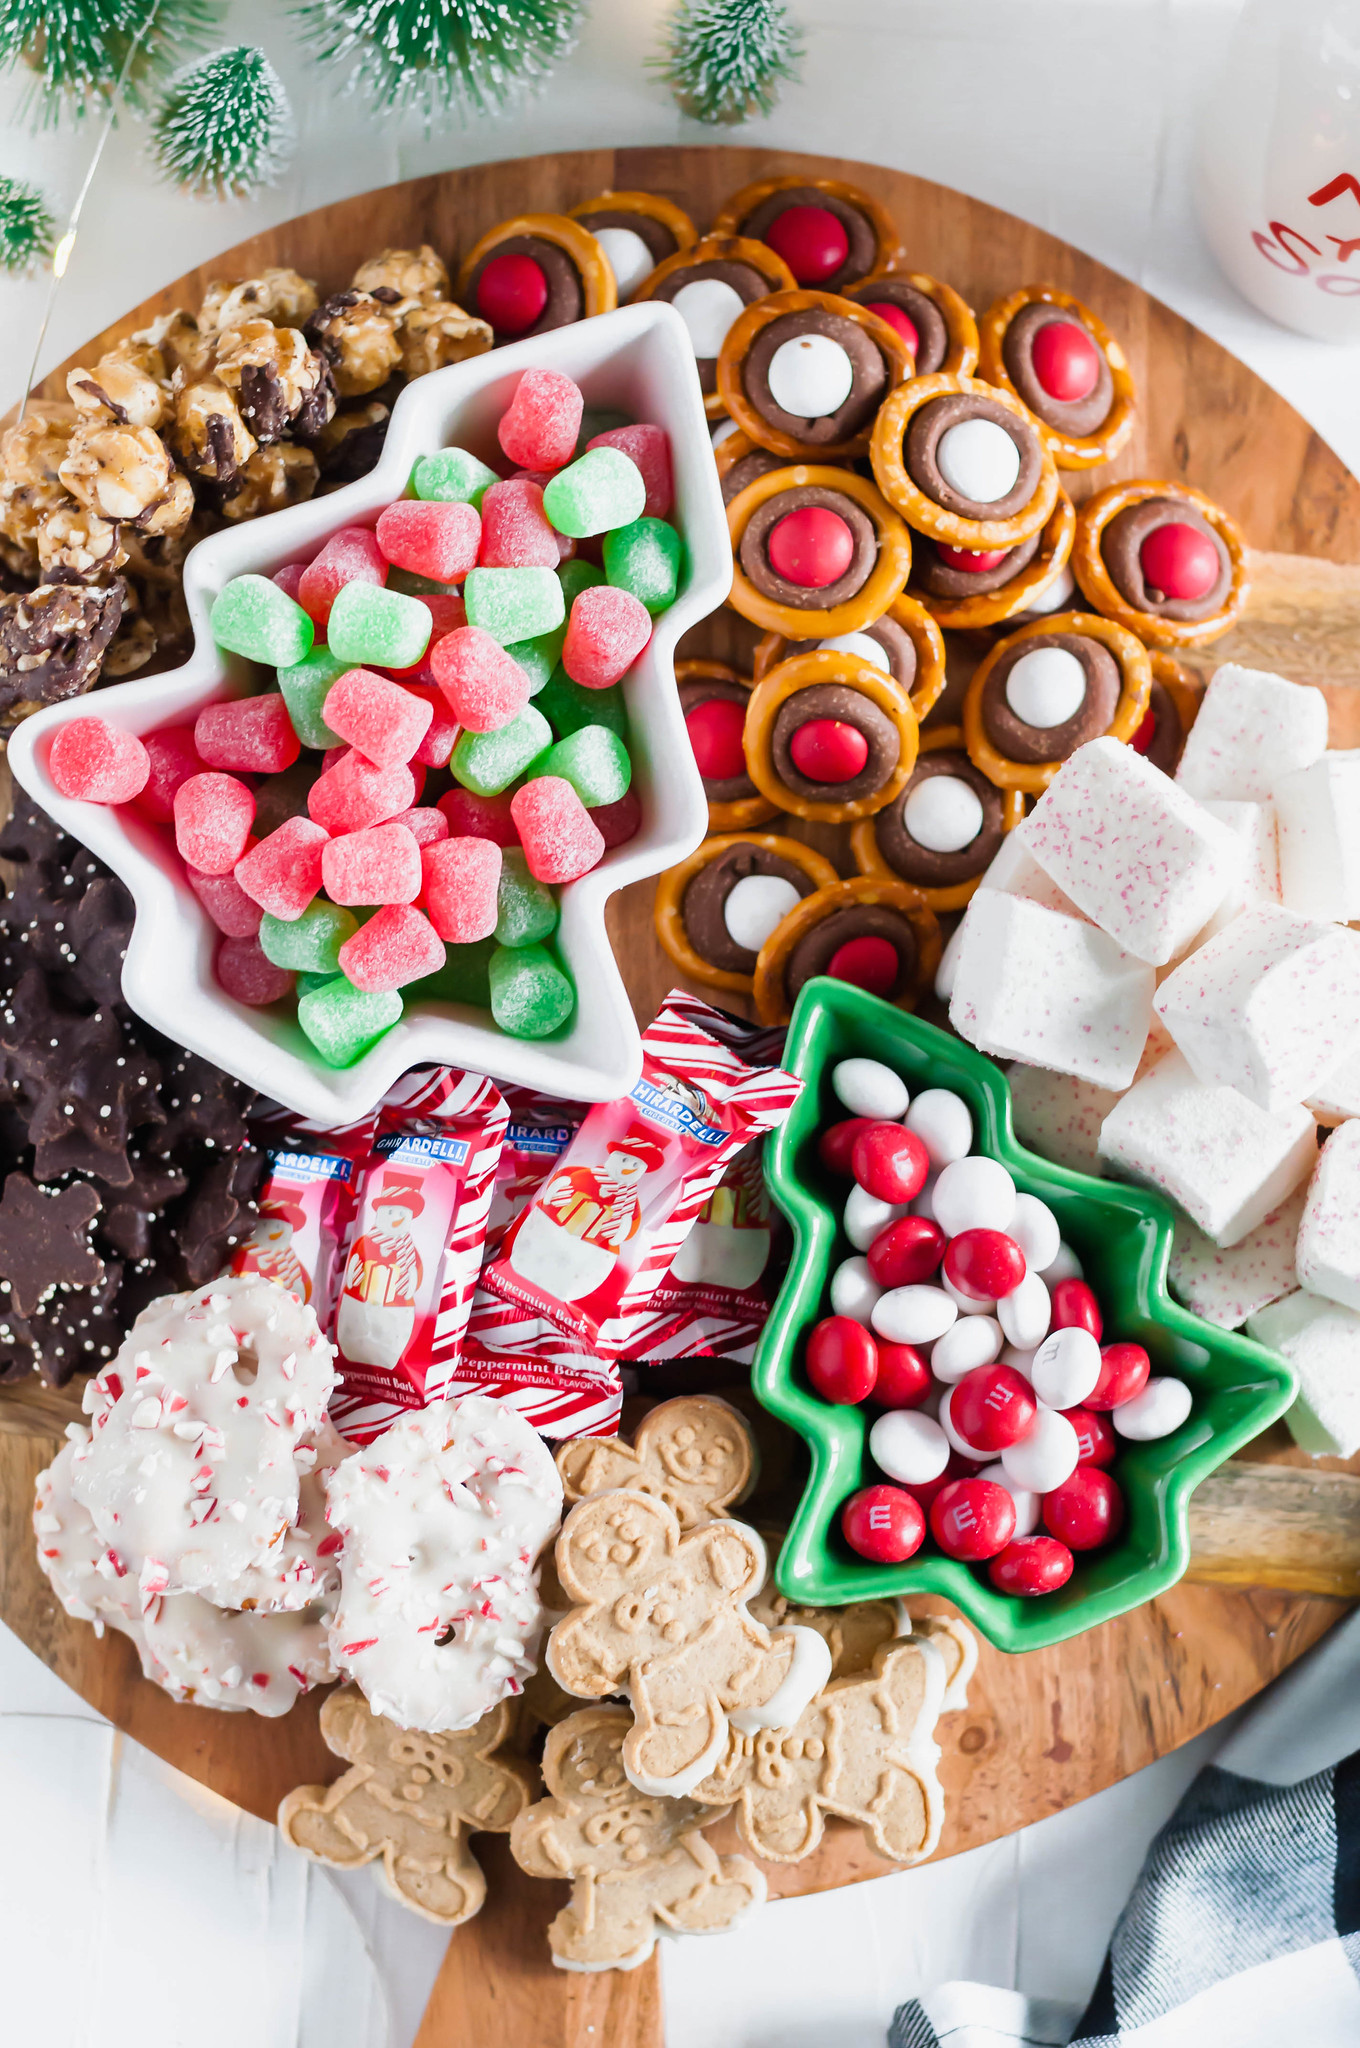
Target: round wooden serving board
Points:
(1041, 1731)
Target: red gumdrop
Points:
(512, 292)
(884, 1524)
(828, 750)
(461, 886)
(898, 319)
(380, 864)
(397, 946)
(842, 1360)
(441, 734)
(648, 448)
(516, 533)
(384, 721)
(891, 1162)
(1124, 1371)
(1179, 561)
(227, 904)
(993, 1406)
(172, 758)
(715, 729)
(447, 614)
(1097, 1443)
(213, 817)
(289, 578)
(1086, 1510)
(984, 1265)
(811, 240)
(1030, 1566)
(837, 1141)
(539, 428)
(606, 632)
(1146, 733)
(98, 762)
(283, 872)
(1074, 1307)
(426, 827)
(483, 686)
(247, 735)
(868, 963)
(350, 556)
(906, 1252)
(244, 972)
(620, 821)
(479, 817)
(812, 547)
(972, 1519)
(355, 792)
(972, 562)
(439, 540)
(557, 833)
(1066, 361)
(904, 1378)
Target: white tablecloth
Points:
(138, 1909)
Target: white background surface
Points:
(140, 1912)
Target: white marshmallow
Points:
(1034, 1228)
(627, 256)
(979, 460)
(1015, 872)
(968, 1343)
(1033, 985)
(973, 1194)
(1058, 1116)
(1142, 859)
(1259, 882)
(868, 1088)
(1252, 729)
(1268, 1007)
(1161, 1408)
(957, 1441)
(1067, 1266)
(854, 1290)
(943, 814)
(809, 376)
(1027, 1504)
(862, 645)
(865, 1215)
(909, 1447)
(1321, 1340)
(1318, 811)
(1328, 1247)
(1047, 1456)
(913, 1315)
(1225, 1161)
(708, 307)
(1226, 1287)
(1046, 687)
(943, 1122)
(1065, 1368)
(1024, 1314)
(754, 906)
(1338, 1097)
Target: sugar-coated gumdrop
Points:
(461, 878)
(380, 864)
(213, 817)
(514, 604)
(464, 977)
(171, 759)
(246, 972)
(644, 558)
(438, 540)
(304, 984)
(620, 822)
(576, 576)
(344, 1022)
(452, 476)
(441, 734)
(289, 577)
(567, 707)
(385, 722)
(98, 762)
(248, 735)
(253, 617)
(539, 427)
(354, 792)
(601, 491)
(283, 873)
(515, 531)
(350, 556)
(606, 633)
(649, 448)
(310, 943)
(479, 817)
(227, 904)
(594, 761)
(484, 686)
(539, 657)
(374, 628)
(424, 826)
(530, 995)
(303, 688)
(526, 910)
(488, 762)
(397, 946)
(446, 615)
(559, 839)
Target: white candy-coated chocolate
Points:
(1065, 1368)
(974, 1194)
(854, 1290)
(943, 1122)
(1047, 1456)
(1024, 1314)
(967, 1304)
(754, 906)
(913, 1315)
(909, 1447)
(810, 375)
(1161, 1407)
(970, 1342)
(924, 1205)
(1055, 596)
(1027, 1503)
(979, 460)
(1066, 1266)
(627, 256)
(1022, 1360)
(868, 1088)
(722, 430)
(943, 814)
(807, 1674)
(1046, 687)
(862, 645)
(1034, 1228)
(866, 1215)
(957, 1440)
(708, 306)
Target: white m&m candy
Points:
(1047, 1456)
(866, 1215)
(943, 1122)
(909, 1447)
(979, 460)
(913, 1315)
(810, 376)
(854, 1290)
(868, 1088)
(1065, 1368)
(957, 1440)
(1025, 1313)
(970, 1342)
(754, 906)
(1066, 1266)
(708, 308)
(862, 645)
(943, 814)
(974, 1194)
(1161, 1407)
(1035, 1229)
(627, 256)
(1047, 687)
(1026, 1502)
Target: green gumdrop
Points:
(453, 476)
(645, 559)
(599, 491)
(530, 995)
(488, 762)
(304, 688)
(599, 419)
(462, 978)
(568, 707)
(310, 943)
(253, 617)
(372, 626)
(342, 1021)
(526, 910)
(306, 983)
(575, 577)
(407, 581)
(538, 658)
(594, 761)
(514, 604)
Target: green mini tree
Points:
(725, 60)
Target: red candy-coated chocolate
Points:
(811, 240)
(1146, 733)
(904, 1378)
(1066, 361)
(479, 817)
(972, 1519)
(828, 750)
(245, 972)
(868, 963)
(1031, 1565)
(984, 1265)
(1086, 1510)
(837, 1143)
(812, 547)
(512, 292)
(172, 758)
(1074, 1307)
(884, 1524)
(899, 320)
(620, 821)
(715, 729)
(1096, 1440)
(972, 563)
(993, 1406)
(890, 1162)
(842, 1360)
(99, 762)
(1124, 1370)
(1179, 561)
(906, 1252)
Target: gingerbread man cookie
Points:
(695, 1453)
(636, 1864)
(662, 1616)
(412, 1800)
(854, 1634)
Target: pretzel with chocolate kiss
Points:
(1135, 685)
(825, 671)
(772, 1000)
(739, 216)
(598, 290)
(738, 461)
(1098, 586)
(743, 337)
(884, 582)
(956, 346)
(651, 206)
(737, 813)
(1071, 449)
(669, 910)
(720, 248)
(920, 628)
(955, 529)
(994, 607)
(864, 837)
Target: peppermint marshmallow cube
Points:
(1135, 853)
(1259, 882)
(1226, 1161)
(1031, 984)
(1319, 822)
(1015, 872)
(1253, 729)
(1321, 1341)
(1226, 1287)
(1337, 1097)
(1328, 1250)
(1058, 1116)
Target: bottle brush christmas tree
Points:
(27, 229)
(726, 59)
(79, 49)
(225, 126)
(442, 56)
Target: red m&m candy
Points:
(842, 1360)
(1124, 1371)
(899, 320)
(904, 1378)
(1066, 361)
(926, 1490)
(1031, 1565)
(1096, 1440)
(993, 1407)
(984, 1264)
(1146, 733)
(1086, 1510)
(837, 1142)
(811, 240)
(884, 1524)
(972, 562)
(1178, 561)
(812, 547)
(972, 1519)
(511, 292)
(715, 730)
(1073, 1306)
(891, 1162)
(828, 750)
(869, 963)
(907, 1252)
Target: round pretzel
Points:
(888, 246)
(1088, 564)
(1135, 670)
(883, 583)
(885, 452)
(1070, 451)
(772, 1004)
(864, 840)
(914, 620)
(992, 607)
(740, 337)
(650, 204)
(599, 291)
(962, 354)
(668, 913)
(1185, 690)
(807, 672)
(744, 810)
(720, 248)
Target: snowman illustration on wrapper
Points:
(269, 1249)
(573, 1234)
(377, 1312)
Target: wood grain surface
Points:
(1040, 1731)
